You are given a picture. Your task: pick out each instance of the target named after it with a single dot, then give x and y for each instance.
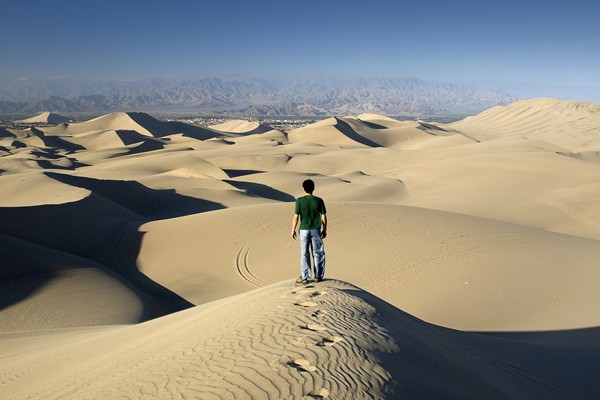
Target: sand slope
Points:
(143, 258)
(500, 277)
(331, 340)
(569, 124)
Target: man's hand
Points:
(323, 234)
(295, 221)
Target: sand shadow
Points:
(17, 144)
(161, 129)
(95, 229)
(469, 365)
(260, 190)
(18, 280)
(131, 137)
(347, 130)
(140, 199)
(103, 227)
(27, 267)
(572, 336)
(428, 128)
(56, 142)
(73, 164)
(373, 125)
(4, 133)
(49, 156)
(235, 173)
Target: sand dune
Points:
(569, 124)
(267, 344)
(47, 289)
(241, 126)
(144, 259)
(415, 259)
(131, 123)
(45, 117)
(375, 131)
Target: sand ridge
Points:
(263, 345)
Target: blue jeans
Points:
(312, 238)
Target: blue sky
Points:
(551, 42)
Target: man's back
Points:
(310, 208)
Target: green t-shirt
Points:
(310, 208)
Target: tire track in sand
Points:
(242, 265)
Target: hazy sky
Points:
(522, 41)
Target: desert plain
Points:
(144, 259)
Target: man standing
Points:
(310, 211)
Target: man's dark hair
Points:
(308, 185)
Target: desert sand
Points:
(144, 259)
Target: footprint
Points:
(307, 304)
(314, 327)
(310, 292)
(320, 393)
(330, 341)
(302, 291)
(304, 365)
(319, 313)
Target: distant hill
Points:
(261, 97)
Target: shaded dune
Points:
(261, 190)
(56, 142)
(5, 133)
(97, 229)
(44, 288)
(345, 128)
(139, 199)
(160, 129)
(131, 137)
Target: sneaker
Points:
(318, 279)
(305, 281)
(299, 280)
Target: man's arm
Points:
(323, 226)
(295, 225)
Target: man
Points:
(310, 211)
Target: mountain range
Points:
(247, 96)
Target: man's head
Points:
(309, 186)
